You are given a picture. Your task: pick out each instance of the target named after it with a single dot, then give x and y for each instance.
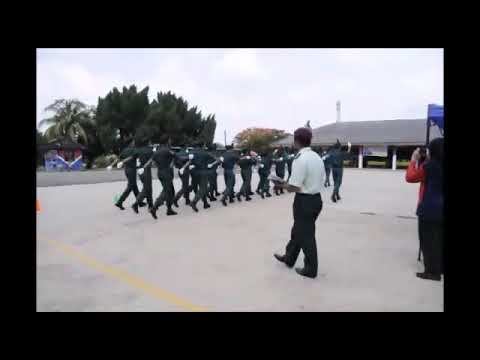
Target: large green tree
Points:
(72, 120)
(120, 114)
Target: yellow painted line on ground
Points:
(125, 277)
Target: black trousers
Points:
(246, 183)
(327, 175)
(200, 177)
(264, 183)
(229, 177)
(289, 165)
(431, 243)
(212, 183)
(337, 174)
(306, 209)
(168, 192)
(186, 189)
(131, 175)
(146, 179)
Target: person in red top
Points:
(429, 173)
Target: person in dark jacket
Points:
(290, 156)
(246, 162)
(229, 159)
(337, 156)
(144, 153)
(328, 167)
(430, 207)
(264, 168)
(199, 171)
(182, 163)
(280, 162)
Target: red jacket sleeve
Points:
(415, 174)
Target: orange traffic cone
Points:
(38, 206)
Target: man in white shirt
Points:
(308, 175)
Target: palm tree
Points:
(72, 120)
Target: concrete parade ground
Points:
(91, 256)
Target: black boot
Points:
(194, 206)
(223, 201)
(120, 206)
(239, 198)
(232, 200)
(334, 198)
(175, 203)
(135, 208)
(142, 204)
(338, 197)
(262, 195)
(248, 198)
(429, 276)
(268, 194)
(206, 205)
(171, 212)
(153, 211)
(187, 201)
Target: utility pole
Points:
(225, 137)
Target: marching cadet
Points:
(327, 163)
(199, 172)
(337, 157)
(182, 163)
(229, 159)
(264, 168)
(144, 153)
(290, 156)
(128, 158)
(279, 161)
(245, 163)
(164, 158)
(212, 178)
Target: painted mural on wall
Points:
(61, 160)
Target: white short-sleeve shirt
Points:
(308, 172)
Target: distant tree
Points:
(258, 139)
(71, 120)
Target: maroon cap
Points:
(303, 136)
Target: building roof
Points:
(384, 132)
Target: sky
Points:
(274, 88)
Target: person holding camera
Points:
(426, 167)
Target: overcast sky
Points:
(277, 88)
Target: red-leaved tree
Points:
(258, 139)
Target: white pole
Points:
(394, 159)
(360, 157)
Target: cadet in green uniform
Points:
(212, 177)
(337, 157)
(164, 158)
(182, 163)
(199, 171)
(279, 160)
(229, 159)
(129, 159)
(245, 163)
(327, 163)
(290, 155)
(144, 153)
(264, 169)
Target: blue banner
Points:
(435, 115)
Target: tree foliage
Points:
(258, 139)
(71, 120)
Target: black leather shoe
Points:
(281, 258)
(153, 211)
(120, 206)
(213, 198)
(302, 272)
(268, 195)
(175, 203)
(258, 192)
(187, 202)
(171, 212)
(334, 199)
(248, 199)
(224, 202)
(231, 201)
(135, 208)
(239, 198)
(142, 204)
(206, 206)
(428, 276)
(194, 207)
(262, 195)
